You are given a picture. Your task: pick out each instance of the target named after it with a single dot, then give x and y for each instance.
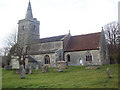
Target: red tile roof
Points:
(84, 42)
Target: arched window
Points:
(68, 58)
(88, 56)
(47, 59)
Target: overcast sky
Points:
(57, 17)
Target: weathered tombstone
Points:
(108, 73)
(36, 67)
(30, 69)
(27, 69)
(42, 69)
(22, 72)
(60, 69)
(26, 61)
(46, 68)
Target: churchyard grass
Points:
(0, 78)
(73, 77)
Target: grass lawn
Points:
(73, 77)
(0, 78)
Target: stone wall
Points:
(41, 58)
(57, 47)
(77, 55)
(104, 50)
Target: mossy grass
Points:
(73, 77)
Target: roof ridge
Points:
(86, 34)
(53, 36)
(84, 42)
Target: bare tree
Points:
(11, 40)
(22, 52)
(13, 48)
(5, 50)
(111, 34)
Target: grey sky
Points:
(57, 17)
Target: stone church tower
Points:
(28, 28)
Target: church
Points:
(87, 49)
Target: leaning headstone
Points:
(36, 67)
(108, 73)
(22, 72)
(42, 69)
(30, 69)
(60, 69)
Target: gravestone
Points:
(30, 69)
(18, 71)
(22, 72)
(42, 69)
(36, 67)
(60, 68)
(108, 73)
(46, 68)
(27, 69)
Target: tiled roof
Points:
(41, 52)
(52, 39)
(84, 42)
(48, 39)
